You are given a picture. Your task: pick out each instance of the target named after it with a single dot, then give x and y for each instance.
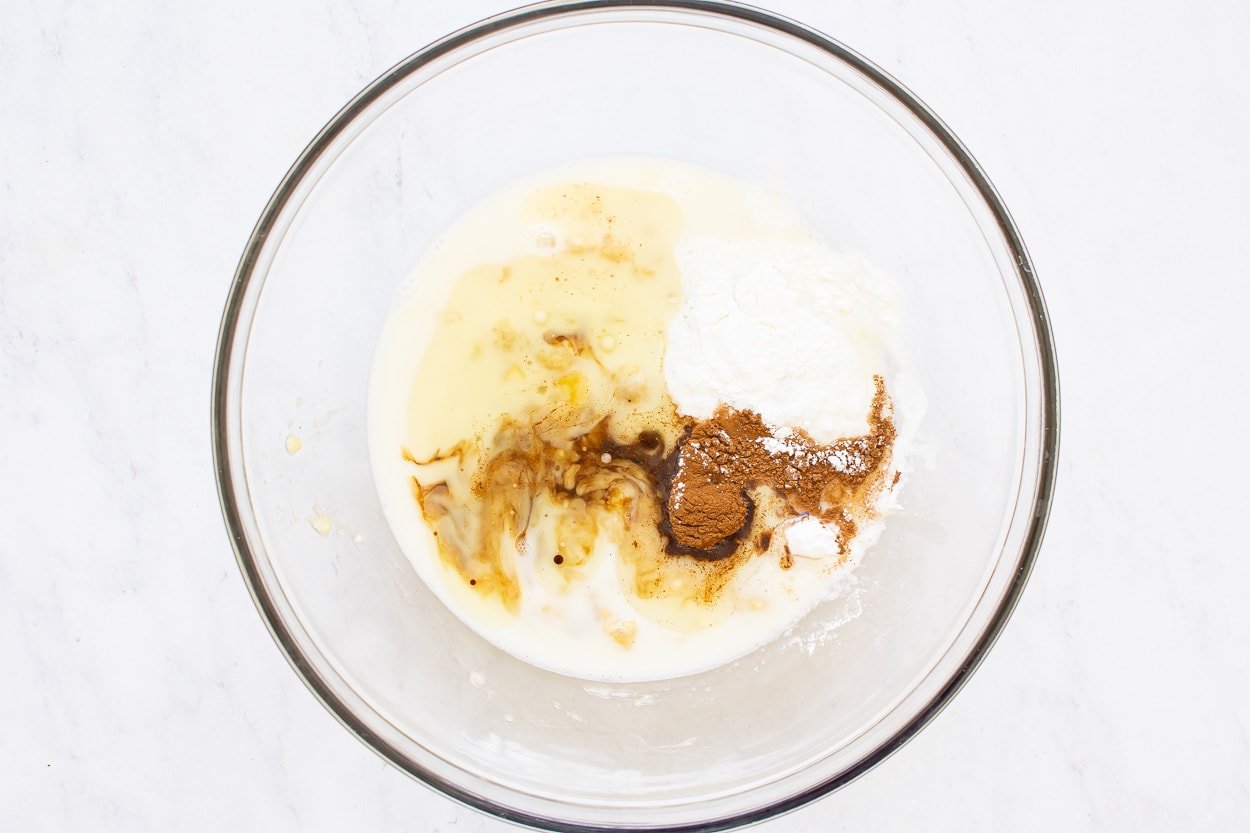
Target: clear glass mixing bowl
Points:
(754, 96)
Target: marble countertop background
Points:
(140, 141)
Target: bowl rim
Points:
(231, 317)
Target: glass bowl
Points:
(754, 96)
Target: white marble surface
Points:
(141, 692)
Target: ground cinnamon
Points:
(723, 458)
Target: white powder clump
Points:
(783, 327)
(809, 538)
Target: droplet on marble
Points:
(321, 522)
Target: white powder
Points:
(782, 327)
(809, 538)
(839, 459)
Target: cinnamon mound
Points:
(723, 458)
